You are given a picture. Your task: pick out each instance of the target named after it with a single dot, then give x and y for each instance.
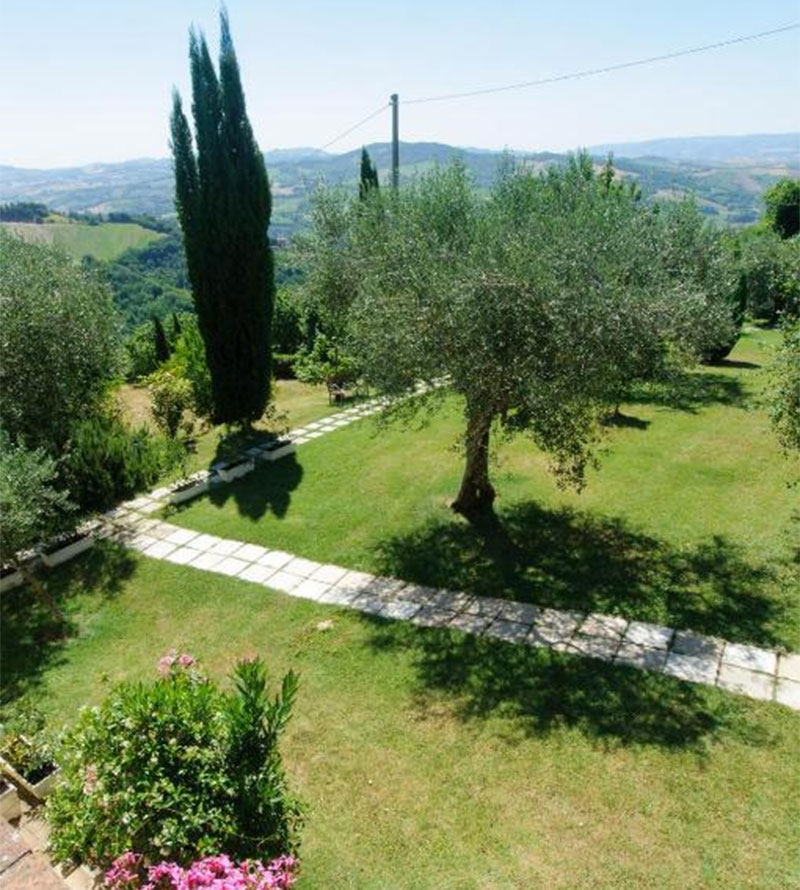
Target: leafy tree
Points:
(783, 207)
(171, 395)
(189, 361)
(768, 270)
(33, 508)
(141, 352)
(59, 343)
(536, 304)
(160, 344)
(785, 395)
(223, 201)
(368, 175)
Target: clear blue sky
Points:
(90, 80)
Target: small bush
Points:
(107, 462)
(171, 395)
(283, 365)
(176, 769)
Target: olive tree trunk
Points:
(477, 492)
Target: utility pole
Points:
(395, 141)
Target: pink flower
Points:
(185, 660)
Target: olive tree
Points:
(537, 303)
(785, 389)
(59, 343)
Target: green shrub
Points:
(176, 769)
(288, 324)
(283, 365)
(326, 363)
(107, 462)
(189, 359)
(171, 395)
(140, 349)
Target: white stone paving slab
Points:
(250, 552)
(284, 581)
(787, 692)
(487, 606)
(431, 616)
(150, 507)
(400, 610)
(643, 657)
(653, 636)
(789, 667)
(750, 657)
(510, 631)
(275, 559)
(206, 561)
(694, 668)
(471, 624)
(205, 542)
(354, 580)
(339, 596)
(256, 573)
(746, 682)
(183, 555)
(329, 574)
(142, 542)
(688, 643)
(525, 613)
(225, 547)
(159, 550)
(230, 565)
(602, 647)
(303, 567)
(181, 536)
(310, 590)
(608, 626)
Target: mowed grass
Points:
(428, 759)
(689, 521)
(105, 241)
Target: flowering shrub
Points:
(128, 872)
(176, 769)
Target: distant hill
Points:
(728, 175)
(103, 241)
(760, 148)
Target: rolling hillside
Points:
(104, 241)
(728, 175)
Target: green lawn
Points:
(689, 521)
(105, 241)
(428, 759)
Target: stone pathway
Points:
(746, 670)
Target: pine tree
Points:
(223, 201)
(160, 341)
(369, 175)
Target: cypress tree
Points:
(223, 201)
(368, 175)
(160, 341)
(176, 328)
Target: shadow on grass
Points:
(691, 391)
(268, 489)
(33, 640)
(543, 691)
(625, 421)
(572, 560)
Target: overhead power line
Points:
(349, 130)
(592, 71)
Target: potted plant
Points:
(189, 488)
(31, 755)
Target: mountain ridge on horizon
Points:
(729, 189)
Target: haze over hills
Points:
(728, 174)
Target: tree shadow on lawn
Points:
(542, 691)
(571, 560)
(691, 391)
(268, 488)
(33, 641)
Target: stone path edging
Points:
(746, 670)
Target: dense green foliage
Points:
(768, 270)
(150, 280)
(59, 343)
(176, 769)
(107, 462)
(783, 207)
(171, 397)
(785, 394)
(160, 342)
(539, 304)
(224, 203)
(23, 211)
(32, 506)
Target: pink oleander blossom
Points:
(172, 659)
(210, 873)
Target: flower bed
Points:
(9, 578)
(235, 468)
(189, 488)
(128, 872)
(278, 449)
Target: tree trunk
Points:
(477, 493)
(41, 592)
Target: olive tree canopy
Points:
(538, 304)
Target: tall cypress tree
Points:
(368, 175)
(224, 204)
(160, 340)
(176, 327)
